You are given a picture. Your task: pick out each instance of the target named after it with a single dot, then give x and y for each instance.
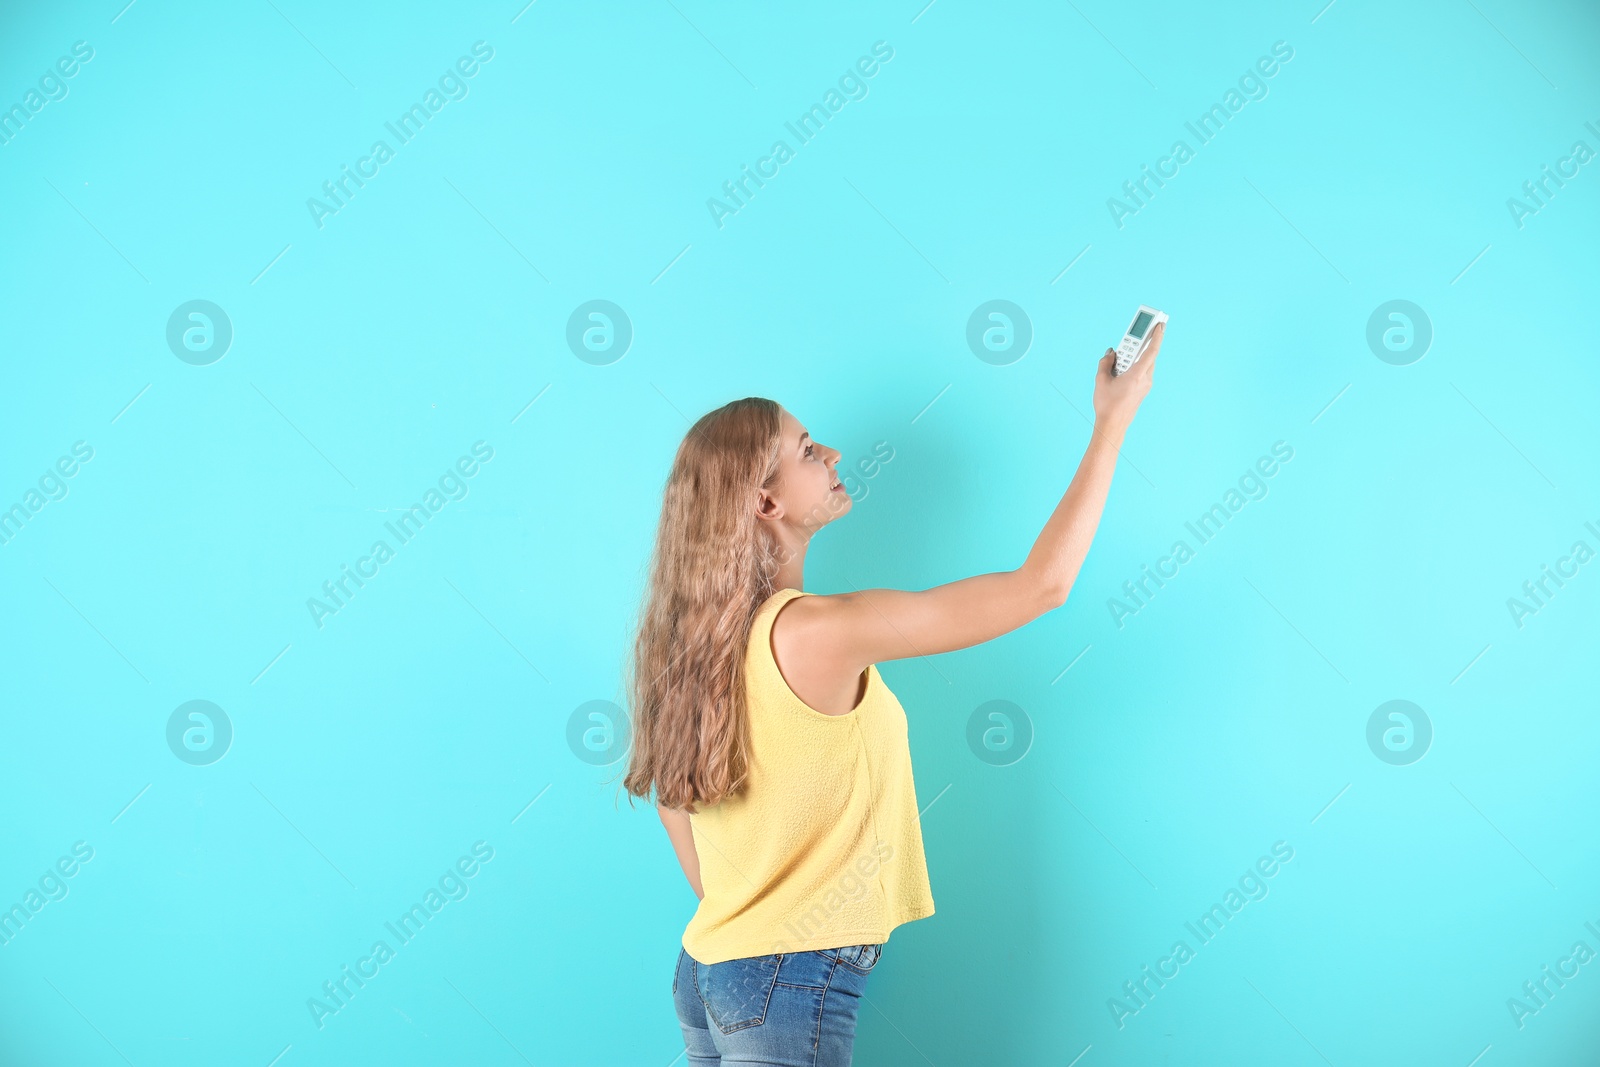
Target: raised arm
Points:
(841, 634)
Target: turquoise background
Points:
(432, 711)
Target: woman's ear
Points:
(767, 505)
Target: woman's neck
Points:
(792, 564)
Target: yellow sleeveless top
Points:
(823, 848)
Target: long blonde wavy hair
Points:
(712, 567)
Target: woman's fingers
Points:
(1155, 341)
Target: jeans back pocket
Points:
(736, 992)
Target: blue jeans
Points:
(792, 1009)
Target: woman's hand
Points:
(1116, 398)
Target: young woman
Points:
(776, 754)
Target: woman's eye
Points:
(808, 449)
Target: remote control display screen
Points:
(1140, 324)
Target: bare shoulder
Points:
(812, 654)
(805, 629)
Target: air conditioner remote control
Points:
(1137, 337)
